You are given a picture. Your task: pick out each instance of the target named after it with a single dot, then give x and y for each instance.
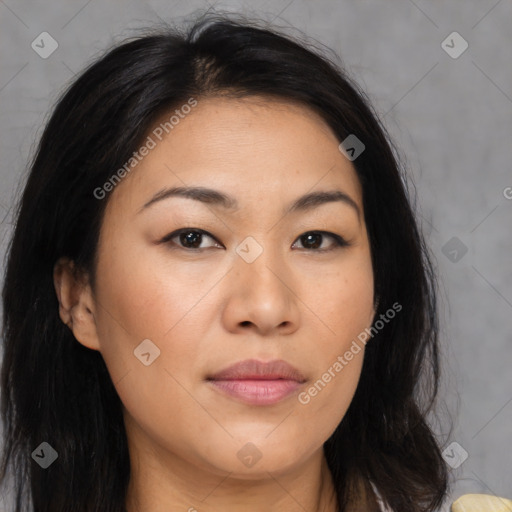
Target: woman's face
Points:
(244, 282)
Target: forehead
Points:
(253, 149)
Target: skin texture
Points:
(208, 309)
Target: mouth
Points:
(258, 383)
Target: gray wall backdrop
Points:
(448, 107)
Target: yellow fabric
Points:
(481, 503)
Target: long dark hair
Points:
(57, 391)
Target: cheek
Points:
(141, 299)
(344, 302)
(144, 294)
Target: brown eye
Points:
(313, 240)
(192, 238)
(188, 238)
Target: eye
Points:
(188, 238)
(313, 240)
(191, 239)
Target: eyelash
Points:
(339, 241)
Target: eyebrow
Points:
(229, 203)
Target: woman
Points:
(217, 296)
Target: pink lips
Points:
(258, 383)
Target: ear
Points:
(76, 303)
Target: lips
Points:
(257, 370)
(258, 383)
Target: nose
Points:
(262, 297)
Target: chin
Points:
(255, 459)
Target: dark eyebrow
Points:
(314, 199)
(217, 198)
(205, 195)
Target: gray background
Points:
(451, 118)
